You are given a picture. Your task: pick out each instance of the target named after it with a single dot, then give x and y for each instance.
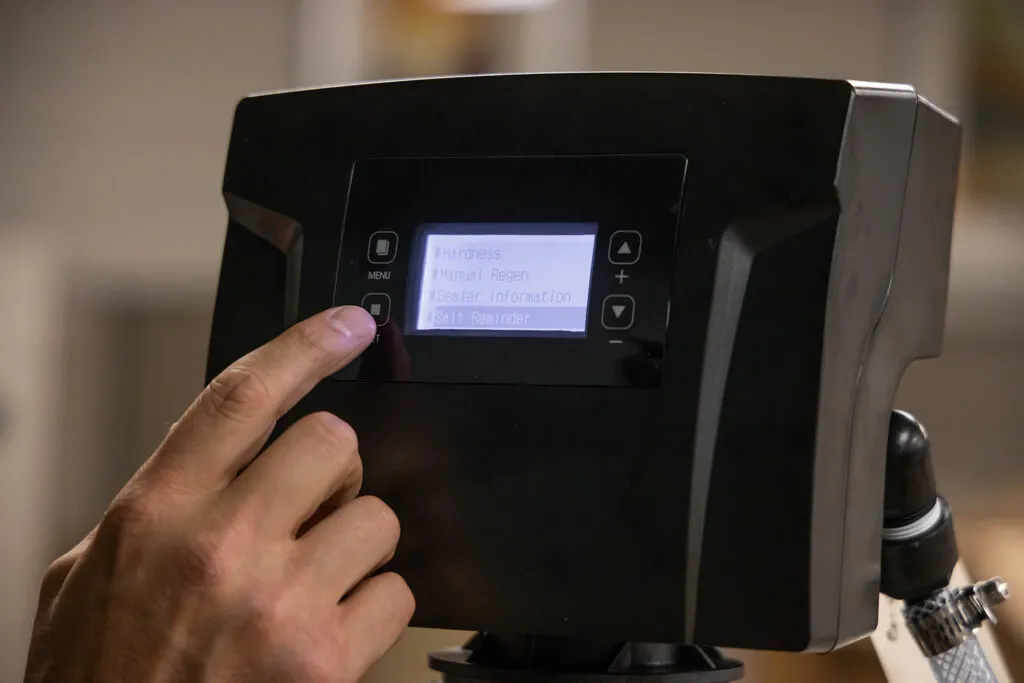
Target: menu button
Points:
(383, 247)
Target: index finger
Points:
(206, 449)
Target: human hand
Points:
(199, 574)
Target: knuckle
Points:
(334, 432)
(130, 511)
(377, 515)
(204, 563)
(309, 666)
(56, 573)
(267, 621)
(334, 439)
(399, 595)
(236, 394)
(303, 335)
(347, 669)
(125, 528)
(59, 567)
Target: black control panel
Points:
(523, 270)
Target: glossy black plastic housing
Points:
(738, 503)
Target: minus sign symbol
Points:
(614, 341)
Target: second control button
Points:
(618, 311)
(378, 305)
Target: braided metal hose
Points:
(944, 624)
(965, 663)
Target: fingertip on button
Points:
(352, 322)
(378, 305)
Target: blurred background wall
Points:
(114, 119)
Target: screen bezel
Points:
(617, 192)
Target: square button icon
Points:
(383, 247)
(378, 305)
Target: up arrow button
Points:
(624, 247)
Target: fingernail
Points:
(353, 322)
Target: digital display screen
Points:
(505, 279)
